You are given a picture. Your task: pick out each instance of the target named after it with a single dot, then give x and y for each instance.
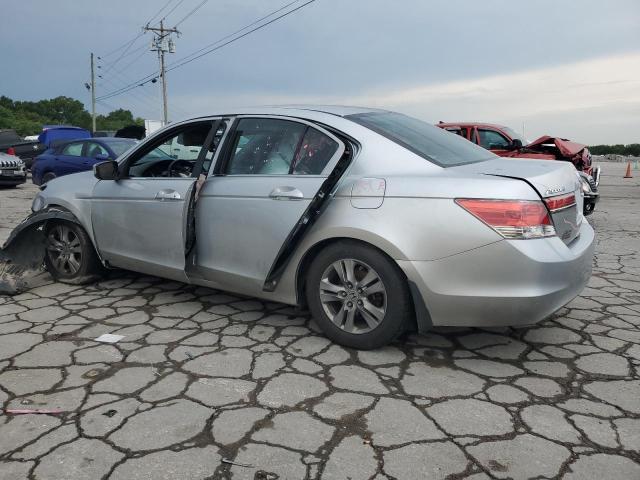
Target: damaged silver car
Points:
(376, 221)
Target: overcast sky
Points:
(566, 68)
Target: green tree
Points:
(27, 117)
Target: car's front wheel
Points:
(70, 256)
(358, 296)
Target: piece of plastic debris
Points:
(110, 413)
(109, 338)
(231, 462)
(43, 411)
(188, 355)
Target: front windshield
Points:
(515, 135)
(121, 146)
(443, 148)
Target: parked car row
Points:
(378, 222)
(505, 142)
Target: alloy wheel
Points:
(65, 251)
(353, 296)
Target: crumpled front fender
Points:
(22, 255)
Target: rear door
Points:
(71, 159)
(95, 153)
(268, 187)
(141, 221)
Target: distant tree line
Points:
(633, 149)
(27, 118)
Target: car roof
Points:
(301, 111)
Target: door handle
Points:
(286, 193)
(168, 195)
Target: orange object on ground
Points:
(628, 174)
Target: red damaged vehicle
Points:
(505, 142)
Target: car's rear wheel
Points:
(358, 296)
(47, 177)
(70, 256)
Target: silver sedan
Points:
(376, 221)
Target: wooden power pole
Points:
(163, 43)
(93, 96)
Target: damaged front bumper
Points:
(22, 255)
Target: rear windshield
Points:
(443, 148)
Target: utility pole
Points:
(93, 97)
(163, 43)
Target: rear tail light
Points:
(11, 151)
(513, 219)
(561, 202)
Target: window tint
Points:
(73, 149)
(315, 152)
(95, 149)
(492, 139)
(264, 146)
(432, 143)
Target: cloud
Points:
(590, 101)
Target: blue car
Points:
(76, 156)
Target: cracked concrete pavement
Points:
(202, 375)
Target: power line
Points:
(137, 36)
(112, 64)
(191, 13)
(158, 12)
(236, 32)
(147, 78)
(172, 10)
(241, 36)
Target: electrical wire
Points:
(181, 63)
(185, 60)
(236, 32)
(172, 10)
(158, 12)
(190, 13)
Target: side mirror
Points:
(102, 156)
(106, 170)
(516, 144)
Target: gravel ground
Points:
(201, 376)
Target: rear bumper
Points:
(509, 282)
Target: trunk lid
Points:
(550, 179)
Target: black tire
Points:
(47, 177)
(398, 310)
(69, 255)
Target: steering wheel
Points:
(183, 168)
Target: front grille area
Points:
(11, 164)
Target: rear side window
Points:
(73, 149)
(435, 144)
(265, 146)
(314, 153)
